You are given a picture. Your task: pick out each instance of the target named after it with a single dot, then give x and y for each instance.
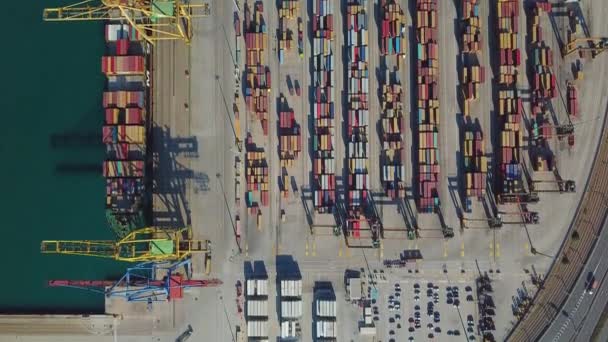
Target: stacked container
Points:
(473, 75)
(288, 10)
(323, 59)
(393, 169)
(357, 72)
(427, 72)
(541, 61)
(290, 138)
(511, 141)
(471, 35)
(392, 30)
(475, 164)
(572, 100)
(124, 130)
(257, 85)
(507, 28)
(256, 174)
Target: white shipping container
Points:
(288, 329)
(326, 329)
(257, 287)
(257, 328)
(326, 308)
(112, 32)
(291, 309)
(257, 308)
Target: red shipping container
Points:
(517, 57)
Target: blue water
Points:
(51, 84)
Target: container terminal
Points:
(345, 157)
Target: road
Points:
(582, 309)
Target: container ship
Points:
(125, 128)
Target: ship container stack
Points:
(393, 169)
(471, 35)
(511, 141)
(290, 138)
(288, 10)
(572, 100)
(541, 62)
(473, 75)
(124, 130)
(475, 164)
(256, 173)
(358, 108)
(507, 29)
(509, 103)
(427, 72)
(324, 164)
(392, 30)
(257, 84)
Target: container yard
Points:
(330, 177)
(509, 180)
(427, 73)
(323, 107)
(357, 73)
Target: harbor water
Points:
(51, 93)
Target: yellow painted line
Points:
(340, 248)
(462, 249)
(527, 249)
(445, 249)
(381, 249)
(491, 249)
(306, 248)
(497, 250)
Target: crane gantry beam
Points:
(154, 20)
(593, 44)
(146, 244)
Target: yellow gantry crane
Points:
(593, 44)
(154, 19)
(146, 244)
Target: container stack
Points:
(256, 173)
(119, 38)
(507, 29)
(324, 164)
(472, 74)
(288, 10)
(257, 85)
(572, 100)
(392, 29)
(541, 61)
(471, 35)
(124, 130)
(472, 78)
(427, 72)
(291, 306)
(511, 141)
(393, 151)
(358, 108)
(290, 138)
(256, 300)
(475, 164)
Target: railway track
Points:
(562, 276)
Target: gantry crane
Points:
(148, 281)
(154, 19)
(594, 44)
(146, 244)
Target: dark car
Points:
(456, 332)
(470, 298)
